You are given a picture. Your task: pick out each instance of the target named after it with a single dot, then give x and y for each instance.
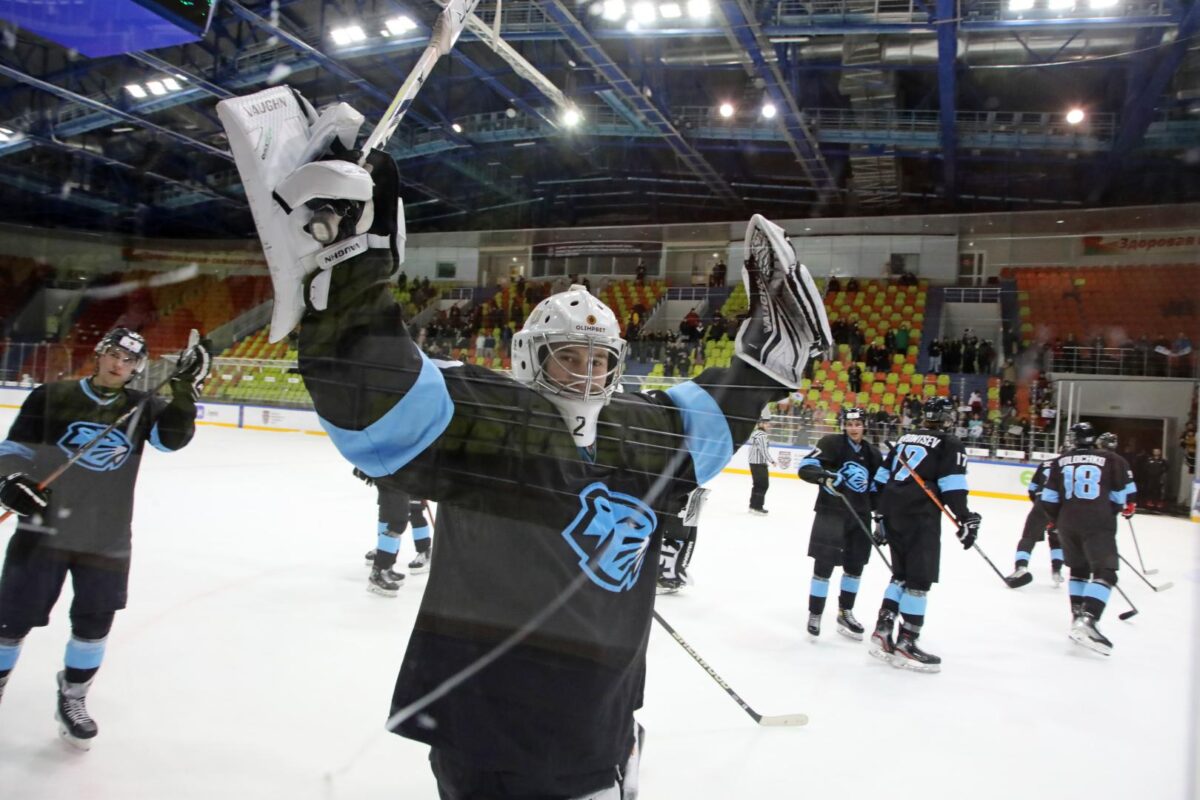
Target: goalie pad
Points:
(274, 136)
(787, 323)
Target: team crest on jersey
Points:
(855, 476)
(611, 535)
(110, 453)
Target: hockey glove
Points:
(194, 367)
(830, 481)
(1128, 511)
(20, 494)
(968, 529)
(879, 532)
(364, 477)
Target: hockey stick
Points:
(778, 720)
(949, 515)
(1132, 612)
(446, 30)
(1162, 587)
(112, 426)
(863, 528)
(1138, 549)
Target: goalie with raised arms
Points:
(527, 660)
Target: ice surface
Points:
(252, 663)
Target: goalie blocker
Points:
(312, 210)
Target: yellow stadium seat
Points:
(943, 380)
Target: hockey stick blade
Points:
(784, 720)
(1150, 571)
(1162, 587)
(1017, 583)
(1124, 615)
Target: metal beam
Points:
(748, 34)
(103, 108)
(1141, 102)
(947, 38)
(591, 51)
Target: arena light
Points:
(571, 117)
(1075, 116)
(1100, 5)
(670, 11)
(613, 10)
(768, 110)
(644, 12)
(699, 9)
(1060, 5)
(6, 134)
(726, 110)
(1020, 5)
(136, 90)
(156, 88)
(398, 26)
(172, 84)
(348, 35)
(456, 127)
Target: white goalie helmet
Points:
(570, 350)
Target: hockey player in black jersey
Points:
(1038, 525)
(842, 464)
(527, 659)
(1084, 492)
(396, 512)
(80, 525)
(913, 524)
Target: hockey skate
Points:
(3, 683)
(420, 564)
(814, 625)
(1057, 576)
(1021, 577)
(668, 585)
(385, 582)
(1085, 634)
(882, 645)
(75, 725)
(848, 626)
(907, 655)
(762, 512)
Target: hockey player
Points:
(912, 525)
(1038, 525)
(527, 659)
(760, 459)
(396, 512)
(842, 464)
(1084, 492)
(81, 524)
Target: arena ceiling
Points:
(880, 107)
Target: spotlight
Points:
(156, 88)
(456, 127)
(400, 25)
(699, 9)
(644, 12)
(768, 110)
(1020, 5)
(571, 117)
(172, 84)
(136, 90)
(726, 110)
(348, 35)
(613, 10)
(1060, 5)
(1099, 5)
(670, 11)
(1075, 116)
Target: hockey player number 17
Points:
(1081, 482)
(914, 454)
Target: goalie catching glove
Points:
(313, 205)
(787, 324)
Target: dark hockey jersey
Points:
(940, 461)
(529, 529)
(857, 464)
(1038, 481)
(1086, 488)
(91, 504)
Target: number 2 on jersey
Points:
(1081, 482)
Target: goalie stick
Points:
(193, 340)
(775, 721)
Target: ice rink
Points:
(252, 663)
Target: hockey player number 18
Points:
(1082, 482)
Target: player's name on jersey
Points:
(1082, 459)
(916, 438)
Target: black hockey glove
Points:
(20, 494)
(879, 533)
(968, 529)
(195, 364)
(831, 481)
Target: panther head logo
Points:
(611, 534)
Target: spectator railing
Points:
(1121, 361)
(31, 363)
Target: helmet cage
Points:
(579, 385)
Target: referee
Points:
(760, 457)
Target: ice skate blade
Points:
(903, 662)
(849, 634)
(373, 589)
(881, 654)
(1083, 640)
(83, 745)
(417, 570)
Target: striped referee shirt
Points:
(760, 453)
